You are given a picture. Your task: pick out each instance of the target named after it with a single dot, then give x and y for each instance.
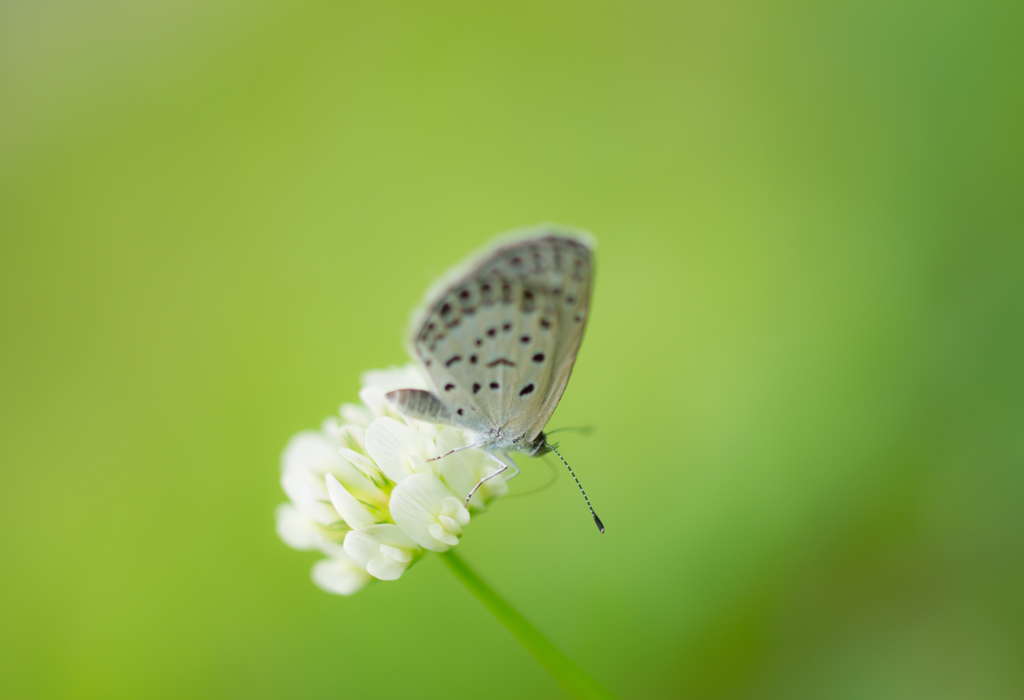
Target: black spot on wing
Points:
(528, 304)
(528, 389)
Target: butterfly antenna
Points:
(582, 429)
(600, 525)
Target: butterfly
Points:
(498, 337)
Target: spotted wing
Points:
(499, 336)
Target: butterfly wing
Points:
(499, 335)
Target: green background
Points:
(805, 364)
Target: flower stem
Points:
(575, 682)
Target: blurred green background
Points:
(805, 363)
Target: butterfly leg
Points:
(504, 466)
(507, 463)
(457, 449)
(512, 465)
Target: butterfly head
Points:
(539, 446)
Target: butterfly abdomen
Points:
(420, 405)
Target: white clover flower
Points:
(340, 575)
(374, 490)
(369, 492)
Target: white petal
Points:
(358, 435)
(374, 399)
(309, 451)
(297, 529)
(416, 505)
(450, 525)
(333, 429)
(438, 532)
(385, 550)
(363, 464)
(355, 414)
(339, 575)
(408, 376)
(401, 555)
(449, 438)
(385, 569)
(452, 508)
(352, 511)
(398, 450)
(309, 493)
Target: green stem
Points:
(575, 682)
